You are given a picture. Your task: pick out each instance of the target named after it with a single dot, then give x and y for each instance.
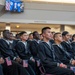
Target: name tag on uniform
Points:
(8, 61)
(25, 63)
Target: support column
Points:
(8, 27)
(62, 28)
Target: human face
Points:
(51, 35)
(59, 38)
(31, 36)
(66, 37)
(41, 37)
(47, 34)
(7, 34)
(74, 38)
(37, 35)
(11, 36)
(24, 37)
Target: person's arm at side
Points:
(48, 61)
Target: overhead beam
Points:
(2, 2)
(52, 1)
(2, 10)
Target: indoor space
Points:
(29, 28)
(37, 37)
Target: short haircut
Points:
(30, 34)
(21, 33)
(4, 31)
(41, 34)
(73, 36)
(34, 33)
(17, 34)
(11, 33)
(53, 32)
(56, 35)
(65, 33)
(45, 28)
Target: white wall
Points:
(2, 2)
(70, 29)
(43, 13)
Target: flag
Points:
(25, 63)
(11, 6)
(73, 69)
(8, 61)
(7, 5)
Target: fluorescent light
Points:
(57, 1)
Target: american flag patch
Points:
(8, 61)
(7, 5)
(25, 63)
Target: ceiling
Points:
(2, 4)
(1, 7)
(46, 13)
(53, 1)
